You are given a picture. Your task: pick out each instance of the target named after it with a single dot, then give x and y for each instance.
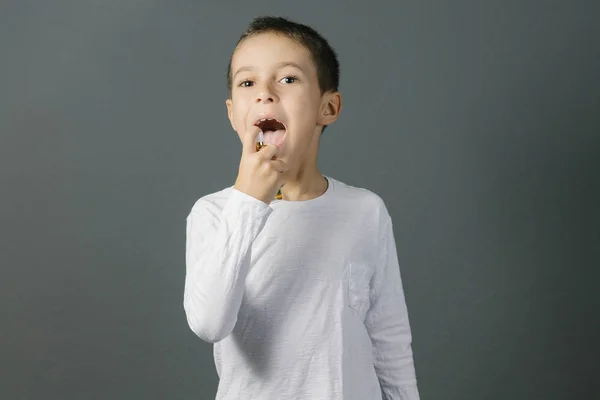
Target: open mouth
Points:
(273, 131)
(270, 124)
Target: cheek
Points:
(239, 116)
(308, 111)
(304, 105)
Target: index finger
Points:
(249, 143)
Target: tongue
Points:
(274, 137)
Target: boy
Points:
(301, 295)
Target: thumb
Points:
(249, 143)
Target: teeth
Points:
(261, 120)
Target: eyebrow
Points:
(278, 66)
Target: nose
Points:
(265, 95)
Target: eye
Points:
(246, 83)
(289, 79)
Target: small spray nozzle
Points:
(260, 141)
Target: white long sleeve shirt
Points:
(303, 300)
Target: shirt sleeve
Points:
(388, 324)
(218, 247)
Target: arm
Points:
(388, 325)
(217, 262)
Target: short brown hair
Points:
(323, 55)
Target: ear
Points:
(331, 106)
(229, 105)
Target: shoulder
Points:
(212, 202)
(361, 200)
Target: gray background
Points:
(477, 122)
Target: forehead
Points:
(266, 50)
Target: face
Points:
(275, 77)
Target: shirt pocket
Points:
(359, 280)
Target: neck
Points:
(305, 185)
(305, 182)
